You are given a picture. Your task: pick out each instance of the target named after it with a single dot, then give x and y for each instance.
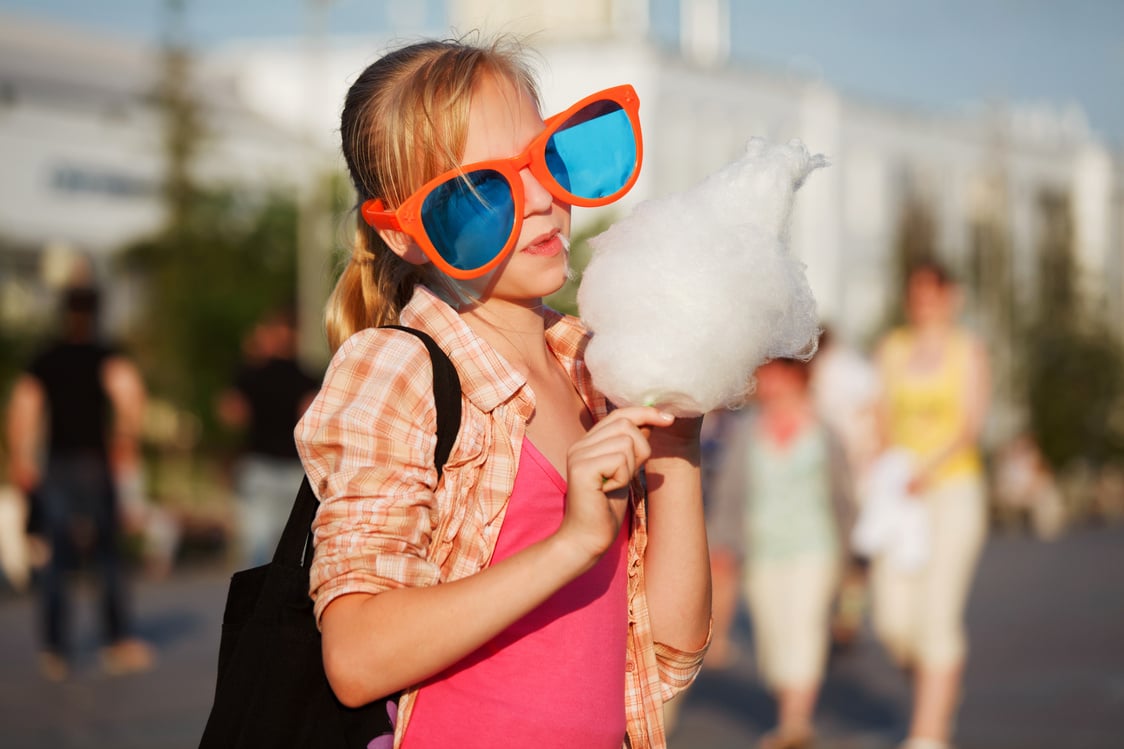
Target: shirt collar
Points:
(487, 379)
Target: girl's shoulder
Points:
(379, 343)
(893, 347)
(380, 357)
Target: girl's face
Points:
(929, 301)
(502, 120)
(778, 380)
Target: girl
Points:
(531, 597)
(934, 401)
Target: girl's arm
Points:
(25, 413)
(377, 644)
(677, 562)
(125, 387)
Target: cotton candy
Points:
(690, 293)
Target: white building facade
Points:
(84, 160)
(85, 170)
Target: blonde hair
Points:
(404, 121)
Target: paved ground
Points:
(1047, 670)
(1046, 622)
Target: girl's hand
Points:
(599, 467)
(918, 483)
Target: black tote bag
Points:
(271, 689)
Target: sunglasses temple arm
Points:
(377, 218)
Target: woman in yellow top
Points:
(936, 383)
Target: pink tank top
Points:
(556, 677)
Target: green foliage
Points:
(208, 280)
(1073, 362)
(1075, 382)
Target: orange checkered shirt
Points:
(385, 521)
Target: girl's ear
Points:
(403, 246)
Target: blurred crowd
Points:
(856, 487)
(77, 502)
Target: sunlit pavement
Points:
(1046, 672)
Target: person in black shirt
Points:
(268, 396)
(92, 399)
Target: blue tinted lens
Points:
(593, 154)
(469, 220)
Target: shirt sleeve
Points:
(367, 444)
(678, 668)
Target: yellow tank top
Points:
(927, 408)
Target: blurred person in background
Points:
(725, 570)
(936, 383)
(269, 394)
(92, 398)
(1026, 491)
(782, 506)
(847, 394)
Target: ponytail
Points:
(372, 290)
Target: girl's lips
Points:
(546, 246)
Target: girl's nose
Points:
(536, 198)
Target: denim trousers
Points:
(79, 519)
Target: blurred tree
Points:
(181, 114)
(915, 241)
(223, 257)
(207, 280)
(1057, 295)
(990, 298)
(1074, 377)
(1073, 364)
(21, 328)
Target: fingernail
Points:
(666, 416)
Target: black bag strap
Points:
(296, 540)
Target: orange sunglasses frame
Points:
(407, 217)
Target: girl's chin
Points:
(534, 284)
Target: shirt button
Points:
(629, 666)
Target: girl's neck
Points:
(516, 330)
(932, 331)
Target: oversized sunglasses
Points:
(468, 219)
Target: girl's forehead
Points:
(502, 120)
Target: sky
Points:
(939, 55)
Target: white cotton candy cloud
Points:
(690, 293)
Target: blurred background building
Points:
(1025, 203)
(85, 152)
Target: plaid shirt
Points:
(384, 521)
